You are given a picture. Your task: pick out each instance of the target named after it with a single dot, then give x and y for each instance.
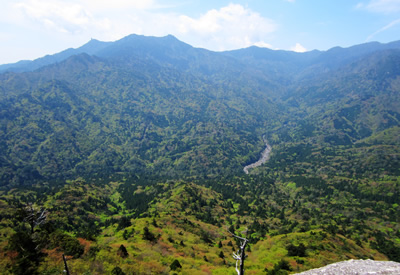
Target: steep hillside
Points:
(157, 105)
(337, 115)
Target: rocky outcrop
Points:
(357, 267)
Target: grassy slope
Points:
(175, 218)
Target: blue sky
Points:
(32, 28)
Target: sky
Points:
(30, 29)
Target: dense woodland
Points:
(128, 158)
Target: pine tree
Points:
(122, 252)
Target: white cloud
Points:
(230, 27)
(52, 26)
(264, 45)
(385, 28)
(385, 7)
(381, 6)
(60, 15)
(298, 48)
(107, 5)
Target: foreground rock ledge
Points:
(359, 267)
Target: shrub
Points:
(294, 250)
(175, 265)
(122, 252)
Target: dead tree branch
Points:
(35, 217)
(240, 256)
(66, 271)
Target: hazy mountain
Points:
(92, 47)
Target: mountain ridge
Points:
(209, 89)
(96, 47)
(137, 155)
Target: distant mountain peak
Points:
(171, 48)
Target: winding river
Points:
(264, 158)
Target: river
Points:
(264, 158)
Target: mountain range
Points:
(150, 128)
(158, 105)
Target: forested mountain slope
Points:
(116, 137)
(132, 115)
(157, 105)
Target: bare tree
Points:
(240, 256)
(35, 217)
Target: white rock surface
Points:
(357, 267)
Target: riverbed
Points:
(264, 158)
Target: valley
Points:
(139, 156)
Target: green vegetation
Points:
(189, 223)
(131, 160)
